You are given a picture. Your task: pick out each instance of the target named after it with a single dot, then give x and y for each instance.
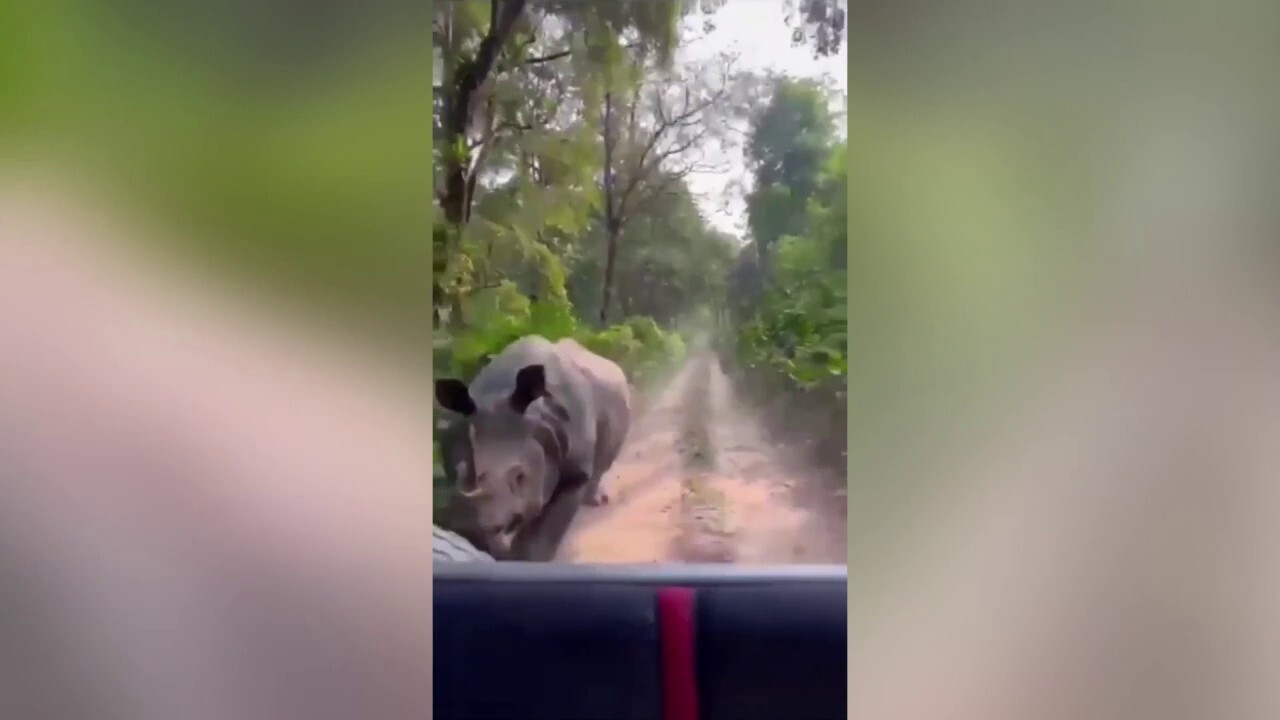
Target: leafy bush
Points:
(501, 316)
(641, 348)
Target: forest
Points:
(567, 136)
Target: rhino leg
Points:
(594, 496)
(540, 541)
(606, 452)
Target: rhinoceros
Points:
(539, 427)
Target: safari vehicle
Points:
(552, 641)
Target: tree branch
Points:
(547, 58)
(608, 179)
(560, 55)
(466, 82)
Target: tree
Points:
(482, 41)
(745, 285)
(674, 260)
(654, 135)
(792, 319)
(787, 290)
(788, 143)
(521, 81)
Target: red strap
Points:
(679, 678)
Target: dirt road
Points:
(699, 481)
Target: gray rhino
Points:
(539, 427)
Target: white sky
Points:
(757, 31)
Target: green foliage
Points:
(530, 259)
(789, 140)
(786, 335)
(671, 260)
(799, 331)
(639, 346)
(297, 175)
(789, 302)
(501, 316)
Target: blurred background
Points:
(214, 333)
(1022, 166)
(280, 140)
(1063, 359)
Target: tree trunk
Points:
(459, 181)
(439, 267)
(610, 264)
(611, 222)
(624, 301)
(762, 252)
(467, 80)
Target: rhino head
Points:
(503, 456)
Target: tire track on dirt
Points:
(699, 481)
(705, 535)
(779, 509)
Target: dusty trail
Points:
(700, 482)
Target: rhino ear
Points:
(453, 395)
(531, 384)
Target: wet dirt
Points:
(700, 481)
